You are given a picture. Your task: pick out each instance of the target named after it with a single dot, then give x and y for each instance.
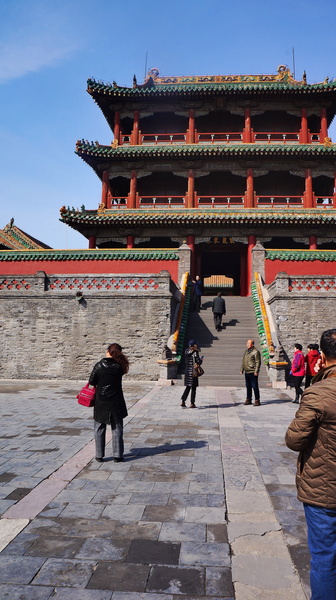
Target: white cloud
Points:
(34, 35)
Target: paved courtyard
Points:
(203, 507)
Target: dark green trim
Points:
(301, 255)
(195, 216)
(86, 151)
(64, 255)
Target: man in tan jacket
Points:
(313, 434)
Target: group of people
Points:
(312, 433)
(304, 366)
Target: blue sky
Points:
(49, 49)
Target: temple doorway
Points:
(224, 261)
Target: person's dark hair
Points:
(328, 343)
(316, 347)
(220, 294)
(298, 347)
(115, 351)
(311, 346)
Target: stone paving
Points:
(203, 507)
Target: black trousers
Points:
(186, 394)
(251, 381)
(217, 319)
(297, 380)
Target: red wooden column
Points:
(249, 203)
(92, 241)
(251, 242)
(105, 189)
(308, 200)
(324, 125)
(312, 242)
(191, 189)
(191, 127)
(130, 241)
(191, 244)
(247, 133)
(135, 132)
(116, 131)
(304, 127)
(131, 203)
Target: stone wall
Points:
(302, 308)
(59, 326)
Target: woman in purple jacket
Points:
(298, 371)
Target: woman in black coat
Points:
(190, 381)
(110, 407)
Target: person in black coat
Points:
(218, 309)
(110, 407)
(192, 357)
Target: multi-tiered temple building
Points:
(221, 162)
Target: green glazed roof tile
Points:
(302, 255)
(92, 255)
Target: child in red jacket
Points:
(311, 359)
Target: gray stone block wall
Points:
(302, 308)
(47, 333)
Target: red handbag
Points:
(86, 396)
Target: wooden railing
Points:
(275, 137)
(215, 138)
(211, 201)
(163, 138)
(275, 201)
(223, 137)
(153, 201)
(324, 201)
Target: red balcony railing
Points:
(276, 201)
(215, 138)
(275, 137)
(212, 201)
(324, 201)
(161, 201)
(163, 138)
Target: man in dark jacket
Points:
(218, 309)
(313, 434)
(251, 366)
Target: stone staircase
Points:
(223, 350)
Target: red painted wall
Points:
(316, 267)
(73, 267)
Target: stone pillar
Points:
(308, 195)
(133, 189)
(258, 259)
(251, 240)
(324, 125)
(304, 127)
(92, 241)
(191, 244)
(249, 189)
(184, 266)
(191, 189)
(130, 241)
(312, 242)
(116, 131)
(191, 127)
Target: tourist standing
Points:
(251, 364)
(192, 357)
(218, 309)
(197, 292)
(110, 407)
(313, 434)
(311, 359)
(298, 371)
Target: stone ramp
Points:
(223, 350)
(203, 507)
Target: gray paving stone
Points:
(219, 582)
(20, 569)
(181, 532)
(80, 594)
(176, 580)
(104, 549)
(153, 552)
(55, 546)
(205, 554)
(24, 592)
(63, 572)
(130, 578)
